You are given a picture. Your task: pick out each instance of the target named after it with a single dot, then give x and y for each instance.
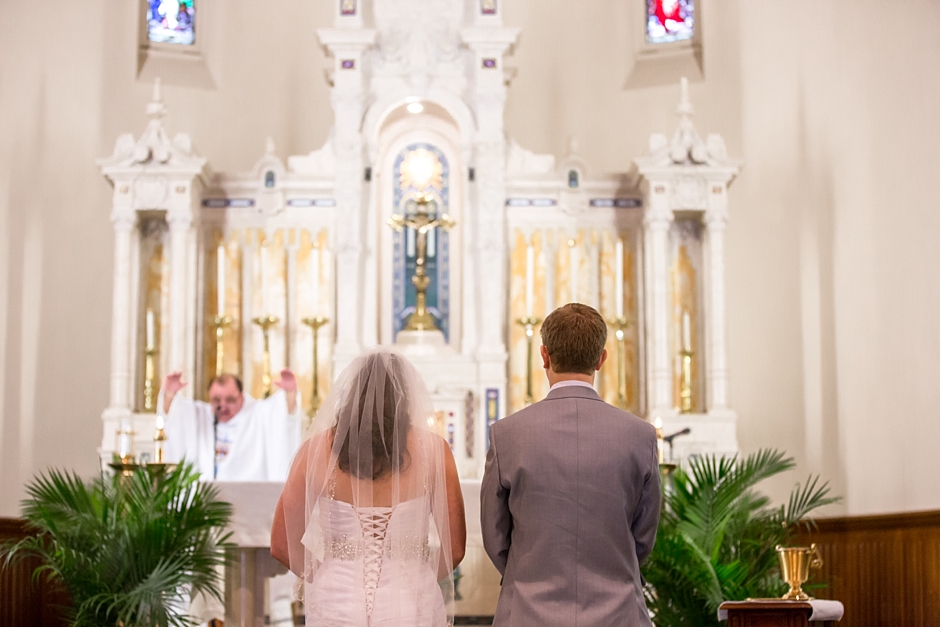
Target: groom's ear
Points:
(602, 360)
(546, 362)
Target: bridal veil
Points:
(371, 455)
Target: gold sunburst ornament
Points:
(421, 169)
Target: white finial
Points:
(685, 106)
(269, 146)
(156, 108)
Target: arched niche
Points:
(435, 130)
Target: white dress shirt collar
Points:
(571, 383)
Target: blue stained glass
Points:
(172, 21)
(438, 254)
(669, 20)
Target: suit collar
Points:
(573, 391)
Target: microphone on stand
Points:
(670, 438)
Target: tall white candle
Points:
(149, 329)
(315, 273)
(573, 262)
(529, 279)
(124, 438)
(264, 280)
(618, 278)
(686, 331)
(220, 279)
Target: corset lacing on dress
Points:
(374, 522)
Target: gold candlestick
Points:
(220, 322)
(150, 392)
(315, 323)
(159, 443)
(620, 326)
(266, 322)
(528, 322)
(685, 387)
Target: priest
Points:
(233, 437)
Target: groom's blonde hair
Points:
(574, 336)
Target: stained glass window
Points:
(171, 21)
(669, 20)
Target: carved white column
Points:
(120, 319)
(488, 99)
(347, 47)
(716, 378)
(180, 227)
(656, 224)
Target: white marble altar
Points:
(309, 237)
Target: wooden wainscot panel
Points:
(885, 569)
(23, 601)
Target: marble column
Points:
(180, 226)
(715, 352)
(124, 230)
(656, 223)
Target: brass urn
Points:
(795, 564)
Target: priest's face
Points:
(226, 400)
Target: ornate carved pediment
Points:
(321, 162)
(522, 161)
(153, 149)
(418, 34)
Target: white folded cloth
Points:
(826, 610)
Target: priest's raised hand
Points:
(233, 437)
(288, 383)
(172, 384)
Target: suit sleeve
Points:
(646, 515)
(495, 518)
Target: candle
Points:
(124, 439)
(686, 332)
(264, 279)
(149, 329)
(529, 279)
(315, 272)
(573, 262)
(660, 442)
(618, 278)
(220, 280)
(159, 422)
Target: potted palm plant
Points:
(717, 536)
(129, 550)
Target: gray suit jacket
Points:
(569, 505)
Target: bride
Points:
(371, 518)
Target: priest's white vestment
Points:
(264, 439)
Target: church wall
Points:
(831, 275)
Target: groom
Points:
(570, 497)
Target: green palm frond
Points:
(127, 549)
(717, 536)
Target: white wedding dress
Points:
(374, 570)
